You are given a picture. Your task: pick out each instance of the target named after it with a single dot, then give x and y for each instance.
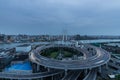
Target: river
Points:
(11, 45)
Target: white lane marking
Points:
(99, 62)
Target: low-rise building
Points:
(23, 48)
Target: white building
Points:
(23, 48)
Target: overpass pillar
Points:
(48, 69)
(99, 69)
(41, 79)
(65, 71)
(85, 72)
(52, 77)
(34, 67)
(100, 46)
(38, 67)
(106, 65)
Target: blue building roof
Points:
(19, 66)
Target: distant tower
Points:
(49, 37)
(64, 32)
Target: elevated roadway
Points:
(29, 75)
(91, 75)
(72, 75)
(100, 58)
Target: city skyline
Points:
(86, 17)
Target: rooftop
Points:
(25, 66)
(24, 45)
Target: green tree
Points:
(117, 77)
(77, 37)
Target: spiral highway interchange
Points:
(89, 61)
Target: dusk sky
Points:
(85, 17)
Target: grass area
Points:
(117, 77)
(118, 55)
(67, 54)
(0, 70)
(59, 53)
(54, 55)
(96, 44)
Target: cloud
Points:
(58, 14)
